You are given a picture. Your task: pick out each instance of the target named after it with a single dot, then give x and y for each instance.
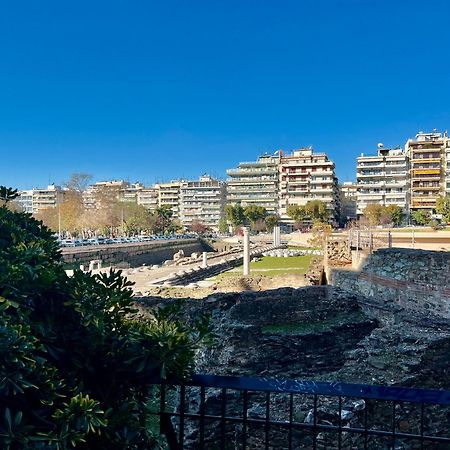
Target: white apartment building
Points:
(447, 168)
(129, 193)
(103, 192)
(35, 200)
(382, 179)
(148, 198)
(202, 200)
(255, 183)
(25, 200)
(305, 176)
(348, 195)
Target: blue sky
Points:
(150, 91)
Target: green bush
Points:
(75, 359)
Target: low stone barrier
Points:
(410, 281)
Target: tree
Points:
(223, 226)
(271, 221)
(373, 213)
(320, 232)
(49, 217)
(443, 207)
(164, 221)
(253, 213)
(78, 182)
(260, 225)
(421, 217)
(297, 213)
(198, 227)
(136, 218)
(235, 214)
(79, 360)
(395, 213)
(316, 210)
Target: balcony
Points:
(251, 173)
(370, 175)
(423, 171)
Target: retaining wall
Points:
(411, 281)
(133, 254)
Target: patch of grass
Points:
(314, 327)
(271, 266)
(295, 328)
(273, 262)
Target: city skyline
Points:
(198, 172)
(154, 92)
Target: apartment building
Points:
(148, 198)
(348, 194)
(35, 200)
(255, 183)
(169, 195)
(382, 179)
(25, 200)
(304, 176)
(202, 200)
(429, 175)
(103, 193)
(447, 169)
(129, 193)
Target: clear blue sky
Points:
(146, 90)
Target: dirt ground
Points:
(230, 283)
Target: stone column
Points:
(246, 271)
(205, 260)
(276, 235)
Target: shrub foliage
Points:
(75, 359)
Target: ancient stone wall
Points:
(413, 282)
(316, 333)
(338, 252)
(132, 254)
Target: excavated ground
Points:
(317, 333)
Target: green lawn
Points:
(272, 266)
(273, 262)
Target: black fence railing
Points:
(217, 412)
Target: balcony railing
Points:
(219, 412)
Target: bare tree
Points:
(78, 182)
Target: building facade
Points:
(348, 195)
(36, 200)
(447, 169)
(255, 183)
(148, 198)
(25, 200)
(383, 179)
(203, 201)
(305, 176)
(104, 193)
(429, 178)
(169, 195)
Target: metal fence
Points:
(218, 412)
(369, 240)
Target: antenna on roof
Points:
(380, 145)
